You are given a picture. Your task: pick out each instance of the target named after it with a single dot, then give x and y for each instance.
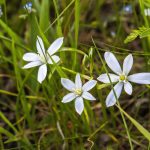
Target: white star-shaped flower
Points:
(42, 58)
(121, 77)
(147, 12)
(1, 12)
(78, 92)
(28, 7)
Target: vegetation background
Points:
(32, 116)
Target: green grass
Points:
(32, 116)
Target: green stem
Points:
(126, 127)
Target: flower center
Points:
(123, 78)
(78, 92)
(43, 59)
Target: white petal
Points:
(40, 46)
(128, 88)
(30, 57)
(79, 105)
(111, 99)
(89, 85)
(68, 84)
(68, 98)
(32, 64)
(127, 64)
(78, 82)
(88, 96)
(112, 62)
(140, 78)
(105, 79)
(53, 58)
(55, 46)
(42, 73)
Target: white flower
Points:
(127, 9)
(78, 92)
(121, 77)
(28, 7)
(42, 58)
(1, 12)
(147, 12)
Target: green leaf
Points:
(146, 3)
(2, 1)
(7, 133)
(132, 36)
(144, 32)
(144, 131)
(11, 33)
(44, 17)
(8, 122)
(59, 28)
(101, 86)
(141, 32)
(69, 49)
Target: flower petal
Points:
(88, 96)
(55, 45)
(31, 57)
(111, 99)
(79, 105)
(140, 78)
(112, 62)
(78, 82)
(128, 88)
(53, 58)
(68, 84)
(105, 79)
(89, 85)
(40, 46)
(32, 64)
(127, 64)
(42, 73)
(68, 98)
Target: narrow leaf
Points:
(144, 131)
(132, 36)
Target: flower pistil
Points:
(123, 78)
(78, 92)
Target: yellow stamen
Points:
(78, 91)
(122, 78)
